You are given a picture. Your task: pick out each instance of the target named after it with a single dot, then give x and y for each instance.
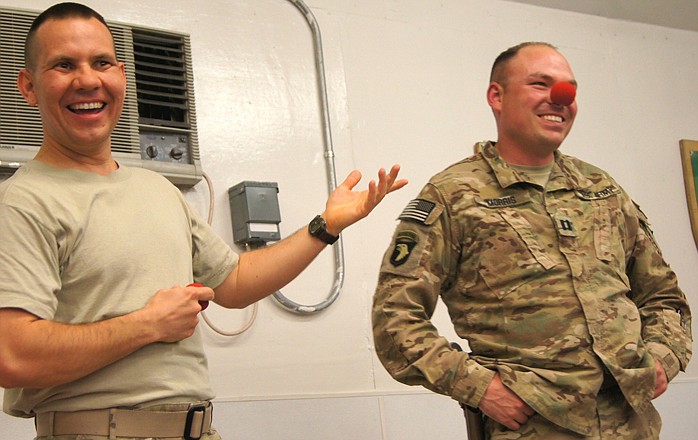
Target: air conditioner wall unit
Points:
(157, 129)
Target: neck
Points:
(518, 155)
(102, 163)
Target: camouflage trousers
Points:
(614, 420)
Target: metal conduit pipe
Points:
(284, 302)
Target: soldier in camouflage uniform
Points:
(546, 266)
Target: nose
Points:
(86, 78)
(563, 93)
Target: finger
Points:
(513, 425)
(394, 170)
(521, 418)
(202, 302)
(383, 182)
(370, 195)
(395, 184)
(352, 179)
(528, 411)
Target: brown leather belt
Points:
(189, 424)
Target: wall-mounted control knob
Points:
(151, 151)
(176, 153)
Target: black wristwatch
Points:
(318, 229)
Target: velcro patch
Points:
(404, 244)
(501, 202)
(418, 210)
(598, 195)
(565, 226)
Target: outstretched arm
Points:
(263, 271)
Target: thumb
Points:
(352, 179)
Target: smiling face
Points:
(79, 87)
(530, 126)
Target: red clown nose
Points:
(563, 93)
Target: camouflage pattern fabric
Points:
(561, 291)
(616, 420)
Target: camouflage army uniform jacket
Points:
(560, 290)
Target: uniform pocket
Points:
(608, 222)
(514, 256)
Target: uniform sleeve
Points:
(664, 310)
(418, 265)
(212, 258)
(29, 264)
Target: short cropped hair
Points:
(59, 11)
(497, 74)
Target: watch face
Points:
(318, 229)
(317, 225)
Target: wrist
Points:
(333, 223)
(318, 228)
(664, 356)
(143, 323)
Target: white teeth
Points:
(87, 106)
(552, 118)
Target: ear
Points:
(26, 87)
(495, 94)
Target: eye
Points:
(105, 64)
(63, 65)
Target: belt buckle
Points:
(190, 420)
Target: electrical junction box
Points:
(254, 208)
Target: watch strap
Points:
(317, 229)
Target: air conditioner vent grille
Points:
(161, 76)
(20, 124)
(125, 137)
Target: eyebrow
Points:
(61, 57)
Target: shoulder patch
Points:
(597, 195)
(404, 244)
(417, 210)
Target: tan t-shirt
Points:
(80, 247)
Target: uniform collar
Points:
(564, 175)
